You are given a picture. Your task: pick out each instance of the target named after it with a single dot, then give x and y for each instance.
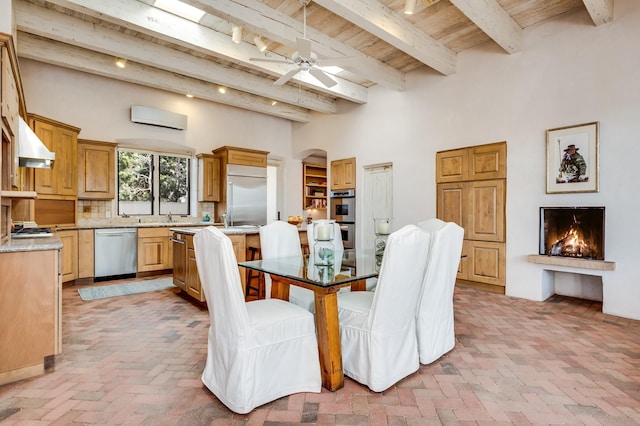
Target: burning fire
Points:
(571, 244)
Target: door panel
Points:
(486, 210)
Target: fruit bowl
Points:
(295, 220)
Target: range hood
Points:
(31, 151)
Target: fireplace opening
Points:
(572, 232)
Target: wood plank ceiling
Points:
(376, 41)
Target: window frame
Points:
(155, 181)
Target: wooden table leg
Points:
(327, 327)
(328, 330)
(360, 285)
(279, 289)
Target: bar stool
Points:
(253, 275)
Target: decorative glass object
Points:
(382, 229)
(323, 249)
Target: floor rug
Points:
(134, 287)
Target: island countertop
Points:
(31, 244)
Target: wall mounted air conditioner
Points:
(158, 117)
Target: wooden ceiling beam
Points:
(387, 25)
(173, 29)
(67, 56)
(601, 11)
(254, 16)
(48, 23)
(494, 21)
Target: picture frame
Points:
(572, 159)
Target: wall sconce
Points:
(236, 34)
(409, 7)
(121, 62)
(259, 43)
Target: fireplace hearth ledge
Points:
(598, 265)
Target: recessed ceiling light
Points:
(274, 103)
(180, 9)
(189, 95)
(222, 90)
(121, 62)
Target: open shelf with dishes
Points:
(314, 178)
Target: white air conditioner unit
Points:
(158, 117)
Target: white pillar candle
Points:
(323, 233)
(383, 228)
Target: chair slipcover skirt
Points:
(257, 351)
(378, 329)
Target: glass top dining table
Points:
(348, 268)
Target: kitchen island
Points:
(30, 306)
(185, 269)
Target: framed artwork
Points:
(572, 159)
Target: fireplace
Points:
(572, 232)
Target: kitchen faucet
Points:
(169, 218)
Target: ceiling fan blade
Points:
(324, 78)
(282, 80)
(304, 47)
(275, 61)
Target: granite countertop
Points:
(232, 230)
(31, 244)
(121, 224)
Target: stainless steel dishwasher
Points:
(115, 254)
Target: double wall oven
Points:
(343, 211)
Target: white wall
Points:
(101, 108)
(569, 72)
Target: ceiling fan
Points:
(303, 58)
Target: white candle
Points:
(383, 228)
(323, 232)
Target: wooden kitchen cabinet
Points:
(69, 259)
(62, 139)
(471, 191)
(179, 242)
(155, 250)
(240, 156)
(30, 312)
(86, 250)
(96, 170)
(208, 177)
(343, 174)
(185, 271)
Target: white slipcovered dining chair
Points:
(435, 319)
(257, 351)
(378, 329)
(282, 239)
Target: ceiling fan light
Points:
(259, 43)
(409, 7)
(236, 34)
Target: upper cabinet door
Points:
(96, 170)
(452, 166)
(488, 161)
(343, 174)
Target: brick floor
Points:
(137, 359)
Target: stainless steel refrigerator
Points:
(246, 195)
